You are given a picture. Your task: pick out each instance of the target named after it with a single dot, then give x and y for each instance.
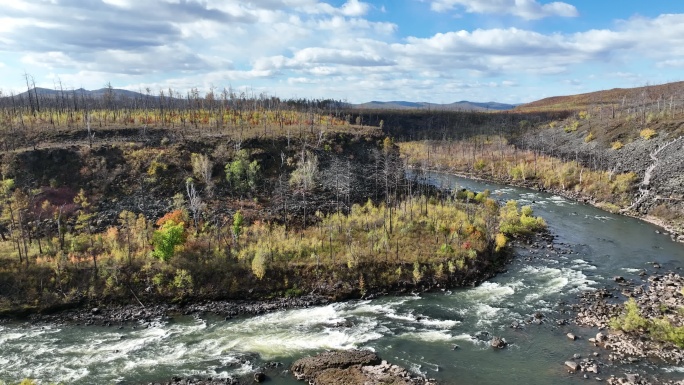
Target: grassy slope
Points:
(614, 97)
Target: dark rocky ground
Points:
(353, 367)
(663, 194)
(136, 315)
(657, 296)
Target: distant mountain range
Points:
(456, 106)
(118, 93)
(374, 105)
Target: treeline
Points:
(493, 158)
(334, 215)
(412, 242)
(26, 118)
(411, 125)
(35, 117)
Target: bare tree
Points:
(195, 204)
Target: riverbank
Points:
(145, 315)
(677, 235)
(646, 328)
(416, 246)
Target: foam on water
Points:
(603, 218)
(560, 201)
(552, 278)
(439, 324)
(284, 333)
(504, 190)
(375, 307)
(427, 336)
(581, 264)
(467, 337)
(489, 292)
(546, 281)
(487, 314)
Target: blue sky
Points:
(438, 51)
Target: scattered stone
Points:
(353, 367)
(574, 366)
(600, 337)
(498, 343)
(571, 336)
(660, 297)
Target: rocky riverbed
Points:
(658, 297)
(352, 367)
(145, 315)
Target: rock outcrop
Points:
(351, 367)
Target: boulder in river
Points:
(498, 343)
(352, 367)
(574, 366)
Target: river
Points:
(416, 331)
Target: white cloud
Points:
(354, 8)
(312, 48)
(671, 63)
(526, 9)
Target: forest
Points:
(119, 196)
(114, 198)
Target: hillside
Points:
(637, 130)
(82, 93)
(669, 93)
(620, 149)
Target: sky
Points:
(439, 51)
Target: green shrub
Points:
(610, 207)
(659, 329)
(166, 239)
(589, 137)
(647, 133)
(514, 222)
(516, 173)
(663, 330)
(294, 292)
(631, 320)
(572, 127)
